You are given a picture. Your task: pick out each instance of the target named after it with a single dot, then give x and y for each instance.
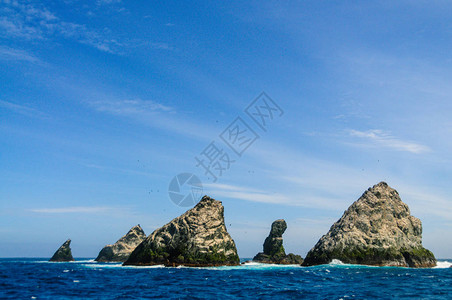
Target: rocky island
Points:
(120, 251)
(274, 252)
(64, 253)
(196, 238)
(377, 229)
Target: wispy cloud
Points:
(151, 113)
(11, 54)
(247, 194)
(36, 22)
(22, 109)
(262, 196)
(99, 2)
(129, 107)
(75, 209)
(386, 140)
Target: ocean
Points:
(34, 278)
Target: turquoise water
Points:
(86, 279)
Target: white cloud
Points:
(246, 194)
(262, 196)
(383, 139)
(34, 22)
(22, 109)
(151, 113)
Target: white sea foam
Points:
(336, 262)
(83, 261)
(254, 266)
(116, 265)
(443, 265)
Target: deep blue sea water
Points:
(38, 279)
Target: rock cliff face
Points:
(196, 238)
(63, 253)
(120, 251)
(274, 252)
(377, 229)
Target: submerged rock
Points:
(274, 252)
(377, 229)
(196, 238)
(120, 251)
(63, 253)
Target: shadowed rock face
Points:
(63, 253)
(377, 229)
(196, 238)
(120, 251)
(274, 252)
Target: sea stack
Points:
(120, 251)
(196, 238)
(63, 253)
(274, 252)
(377, 229)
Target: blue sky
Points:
(102, 103)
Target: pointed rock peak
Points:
(137, 229)
(206, 201)
(381, 184)
(63, 253)
(380, 192)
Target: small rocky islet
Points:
(64, 253)
(274, 252)
(377, 230)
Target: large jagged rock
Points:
(63, 253)
(196, 238)
(120, 251)
(274, 252)
(377, 229)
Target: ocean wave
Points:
(251, 265)
(246, 266)
(118, 266)
(443, 265)
(254, 266)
